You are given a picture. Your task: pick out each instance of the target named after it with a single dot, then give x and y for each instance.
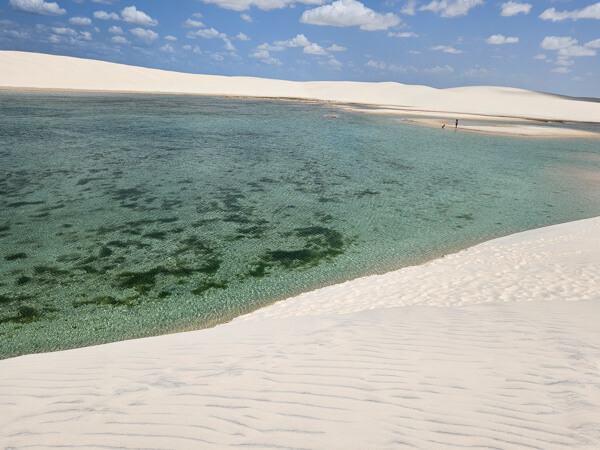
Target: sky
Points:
(549, 46)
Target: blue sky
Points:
(551, 46)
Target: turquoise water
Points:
(124, 216)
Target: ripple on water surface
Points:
(131, 215)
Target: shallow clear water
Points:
(131, 215)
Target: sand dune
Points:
(41, 71)
(449, 354)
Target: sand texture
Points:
(486, 348)
(41, 71)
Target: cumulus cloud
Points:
(404, 34)
(589, 12)
(512, 8)
(349, 13)
(191, 23)
(80, 21)
(64, 31)
(566, 48)
(447, 49)
(539, 56)
(314, 49)
(593, 44)
(247, 18)
(146, 36)
(103, 15)
(211, 33)
(376, 65)
(38, 7)
(440, 69)
(131, 14)
(336, 48)
(265, 57)
(242, 37)
(119, 40)
(265, 5)
(115, 30)
(557, 43)
(451, 8)
(499, 39)
(561, 70)
(167, 48)
(409, 8)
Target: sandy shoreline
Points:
(494, 346)
(33, 71)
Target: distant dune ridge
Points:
(41, 71)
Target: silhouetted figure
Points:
(456, 124)
(443, 126)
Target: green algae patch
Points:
(107, 300)
(202, 288)
(15, 256)
(143, 281)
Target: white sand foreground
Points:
(496, 346)
(22, 70)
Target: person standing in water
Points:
(456, 124)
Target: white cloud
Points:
(64, 31)
(115, 30)
(556, 42)
(451, 8)
(539, 56)
(147, 36)
(246, 17)
(336, 48)
(314, 49)
(589, 12)
(440, 69)
(335, 63)
(409, 8)
(38, 7)
(207, 33)
(447, 49)
(475, 72)
(265, 57)
(211, 33)
(576, 50)
(405, 34)
(566, 48)
(119, 40)
(512, 8)
(191, 23)
(103, 15)
(376, 65)
(197, 15)
(187, 47)
(265, 5)
(80, 21)
(130, 14)
(310, 48)
(242, 37)
(299, 41)
(167, 48)
(170, 38)
(564, 61)
(349, 13)
(85, 35)
(499, 39)
(593, 44)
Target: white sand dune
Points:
(486, 348)
(41, 71)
